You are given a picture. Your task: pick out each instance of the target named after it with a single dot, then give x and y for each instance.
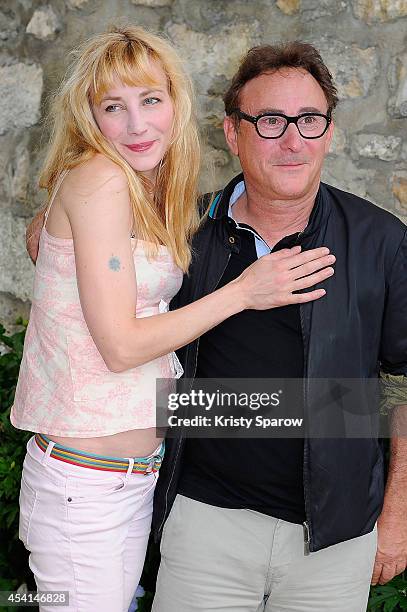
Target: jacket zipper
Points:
(307, 523)
(180, 440)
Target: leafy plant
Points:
(390, 597)
(13, 556)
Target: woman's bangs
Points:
(130, 66)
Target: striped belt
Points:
(142, 465)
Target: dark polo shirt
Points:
(265, 475)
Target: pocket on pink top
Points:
(91, 379)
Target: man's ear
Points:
(230, 130)
(329, 136)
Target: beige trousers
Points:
(217, 560)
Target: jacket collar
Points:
(319, 214)
(220, 204)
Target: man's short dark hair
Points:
(270, 58)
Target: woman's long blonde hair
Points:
(166, 214)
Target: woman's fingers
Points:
(299, 259)
(309, 296)
(292, 258)
(285, 253)
(312, 279)
(271, 280)
(312, 266)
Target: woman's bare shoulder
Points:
(95, 176)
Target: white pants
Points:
(86, 530)
(221, 560)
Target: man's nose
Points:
(291, 139)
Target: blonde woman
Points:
(121, 172)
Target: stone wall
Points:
(362, 41)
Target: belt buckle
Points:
(149, 469)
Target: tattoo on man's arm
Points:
(114, 263)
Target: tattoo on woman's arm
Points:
(114, 263)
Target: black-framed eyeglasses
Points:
(273, 125)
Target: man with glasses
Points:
(288, 524)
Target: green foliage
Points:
(10, 362)
(13, 557)
(391, 597)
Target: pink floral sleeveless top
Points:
(64, 387)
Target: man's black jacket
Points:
(357, 330)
